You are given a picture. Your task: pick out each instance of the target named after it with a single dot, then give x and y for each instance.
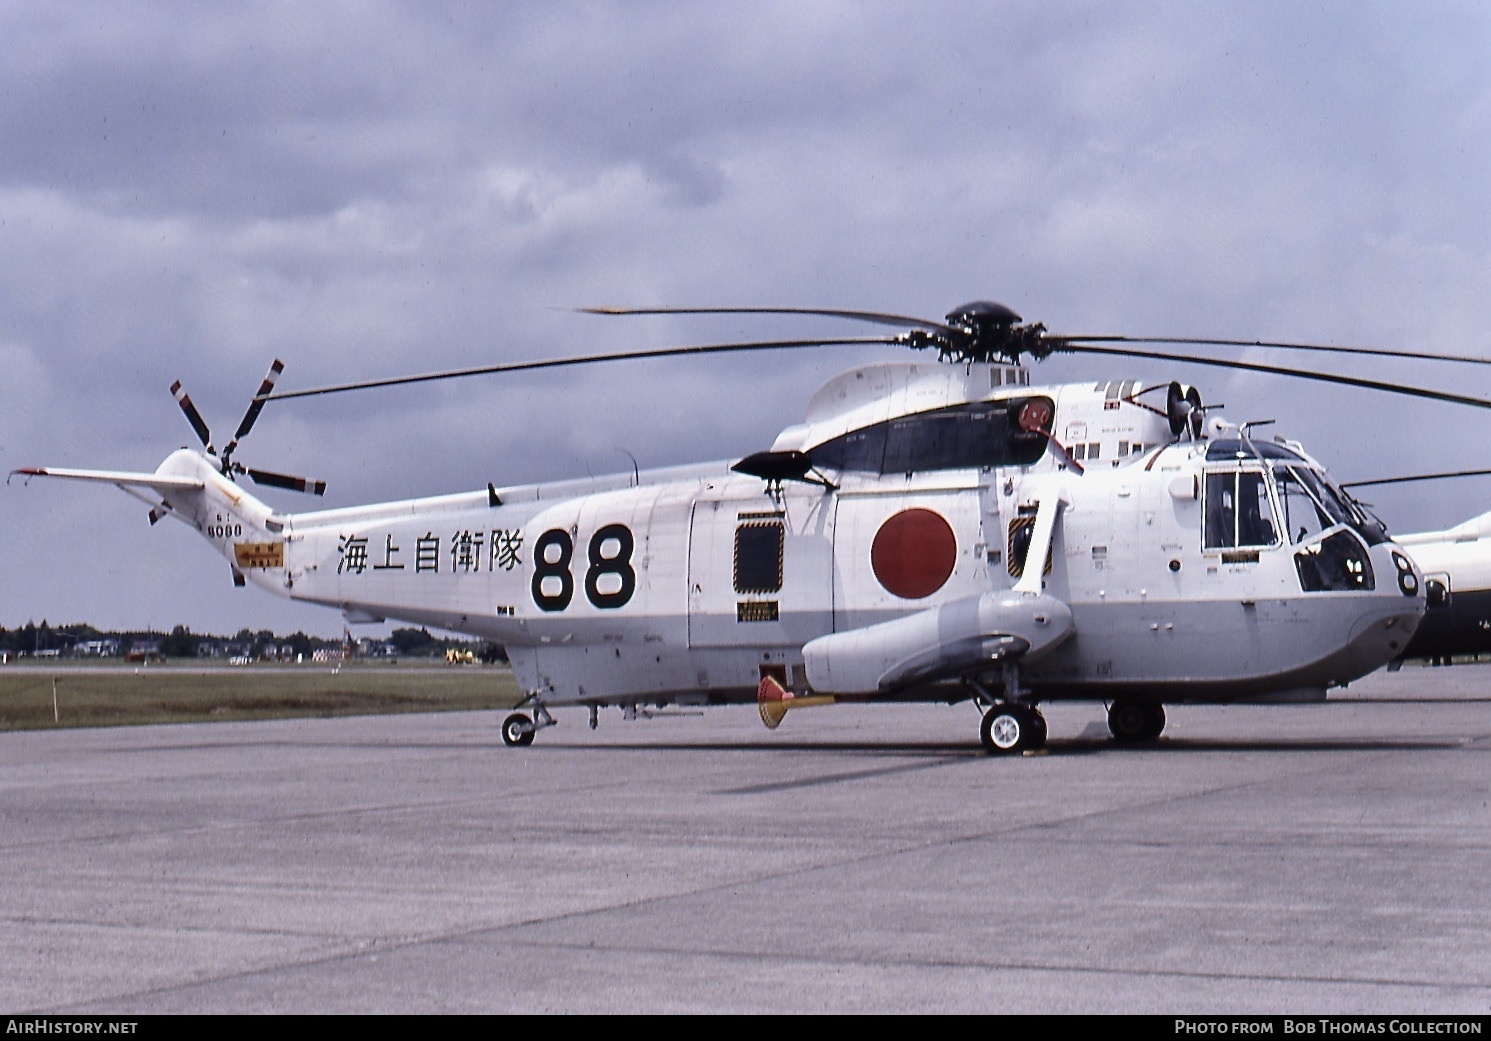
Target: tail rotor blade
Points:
(256, 405)
(294, 484)
(192, 415)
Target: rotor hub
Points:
(984, 331)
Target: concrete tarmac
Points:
(1316, 859)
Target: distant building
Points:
(105, 648)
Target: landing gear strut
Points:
(1135, 721)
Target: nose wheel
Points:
(1011, 728)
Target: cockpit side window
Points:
(1238, 510)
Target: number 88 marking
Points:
(619, 565)
(557, 570)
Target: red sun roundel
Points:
(913, 553)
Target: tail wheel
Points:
(518, 730)
(1007, 729)
(1133, 721)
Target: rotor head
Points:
(985, 331)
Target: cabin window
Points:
(1238, 512)
(976, 435)
(758, 557)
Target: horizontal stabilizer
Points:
(161, 483)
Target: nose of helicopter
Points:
(1382, 635)
(1376, 641)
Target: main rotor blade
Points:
(1279, 344)
(909, 322)
(583, 359)
(294, 484)
(1417, 477)
(1278, 370)
(898, 320)
(192, 415)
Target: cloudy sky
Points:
(368, 189)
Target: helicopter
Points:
(933, 531)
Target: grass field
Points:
(125, 695)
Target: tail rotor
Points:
(227, 466)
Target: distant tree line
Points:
(181, 642)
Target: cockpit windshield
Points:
(1307, 499)
(1303, 511)
(1309, 504)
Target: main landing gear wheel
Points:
(1012, 728)
(1134, 721)
(518, 730)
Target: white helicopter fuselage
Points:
(690, 585)
(632, 595)
(930, 532)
